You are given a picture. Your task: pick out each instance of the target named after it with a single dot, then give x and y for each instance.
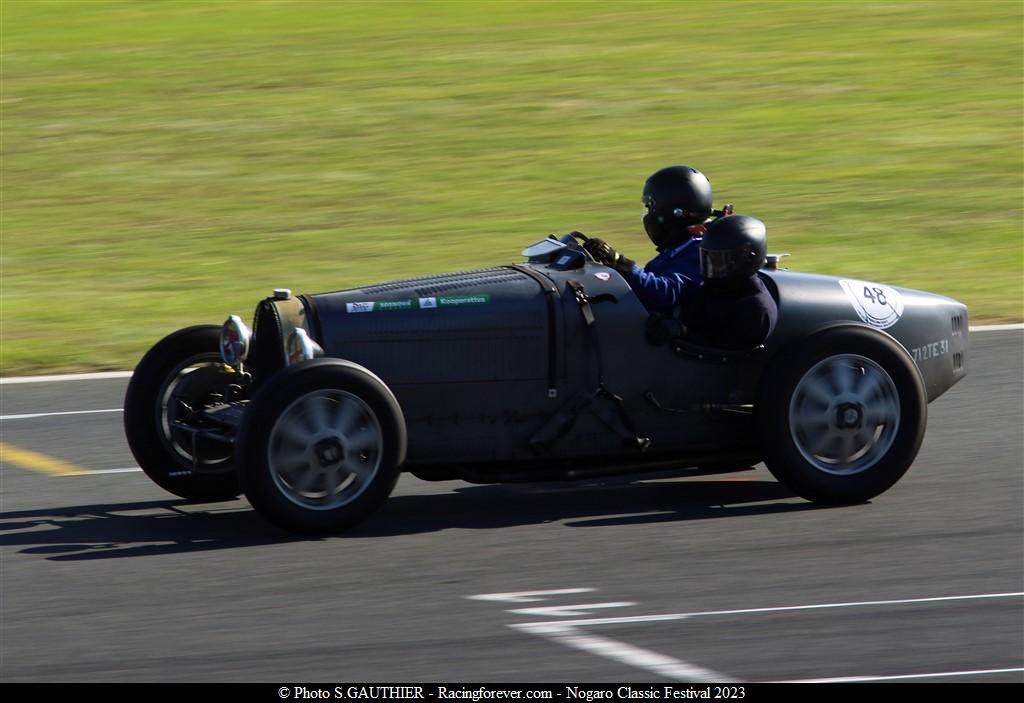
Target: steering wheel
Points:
(574, 240)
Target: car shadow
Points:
(120, 530)
(603, 503)
(116, 530)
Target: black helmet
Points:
(733, 249)
(675, 198)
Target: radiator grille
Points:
(266, 356)
(446, 282)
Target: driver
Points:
(677, 200)
(732, 308)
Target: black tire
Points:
(842, 416)
(321, 447)
(183, 366)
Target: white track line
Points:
(528, 596)
(127, 374)
(998, 328)
(128, 470)
(749, 611)
(569, 634)
(29, 416)
(66, 377)
(855, 679)
(660, 664)
(569, 611)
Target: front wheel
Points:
(179, 376)
(842, 419)
(321, 447)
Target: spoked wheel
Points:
(179, 376)
(321, 447)
(842, 420)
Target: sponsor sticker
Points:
(602, 275)
(878, 305)
(447, 301)
(380, 305)
(386, 305)
(440, 301)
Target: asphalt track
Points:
(107, 578)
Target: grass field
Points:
(167, 163)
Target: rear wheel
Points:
(180, 375)
(321, 447)
(842, 420)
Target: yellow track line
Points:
(38, 462)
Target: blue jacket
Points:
(660, 283)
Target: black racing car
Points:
(535, 371)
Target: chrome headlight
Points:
(301, 346)
(235, 338)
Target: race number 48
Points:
(875, 295)
(878, 305)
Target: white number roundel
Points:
(879, 306)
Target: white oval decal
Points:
(602, 275)
(879, 306)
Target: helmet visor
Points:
(656, 229)
(721, 264)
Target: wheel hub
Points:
(849, 416)
(329, 453)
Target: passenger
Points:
(731, 308)
(677, 201)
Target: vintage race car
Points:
(535, 371)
